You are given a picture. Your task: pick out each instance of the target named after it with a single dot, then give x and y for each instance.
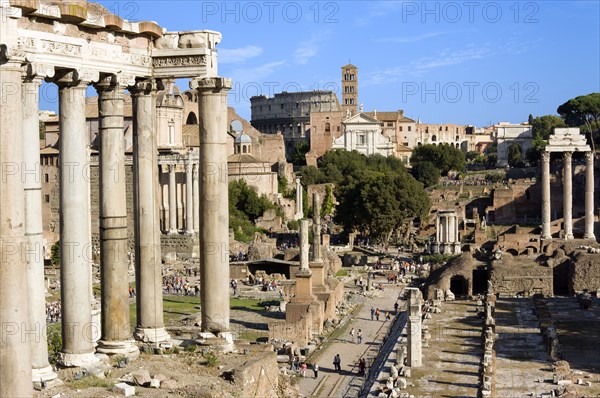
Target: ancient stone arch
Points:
(75, 45)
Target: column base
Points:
(151, 335)
(44, 374)
(172, 232)
(546, 237)
(76, 360)
(569, 237)
(127, 348)
(589, 236)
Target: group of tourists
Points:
(53, 312)
(180, 286)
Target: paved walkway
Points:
(347, 382)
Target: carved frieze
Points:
(186, 60)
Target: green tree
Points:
(445, 157)
(328, 202)
(542, 127)
(55, 253)
(515, 155)
(299, 153)
(245, 206)
(583, 111)
(426, 173)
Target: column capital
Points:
(36, 73)
(545, 156)
(68, 78)
(211, 84)
(143, 86)
(188, 167)
(589, 156)
(567, 155)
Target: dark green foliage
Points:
(55, 253)
(426, 173)
(515, 156)
(445, 157)
(542, 127)
(299, 153)
(245, 206)
(376, 194)
(494, 177)
(328, 202)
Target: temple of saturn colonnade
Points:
(567, 141)
(75, 45)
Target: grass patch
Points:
(342, 272)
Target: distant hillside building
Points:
(289, 114)
(363, 133)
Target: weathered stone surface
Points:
(141, 378)
(125, 389)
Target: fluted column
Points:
(299, 198)
(172, 200)
(568, 196)
(42, 371)
(196, 204)
(438, 234)
(75, 245)
(214, 203)
(316, 246)
(589, 196)
(15, 352)
(149, 310)
(116, 331)
(189, 200)
(546, 211)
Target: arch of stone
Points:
(567, 141)
(75, 45)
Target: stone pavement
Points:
(347, 382)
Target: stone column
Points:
(172, 200)
(589, 196)
(299, 198)
(189, 199)
(568, 196)
(75, 245)
(546, 211)
(316, 246)
(116, 332)
(15, 351)
(149, 310)
(42, 371)
(438, 234)
(196, 204)
(214, 203)
(303, 277)
(414, 328)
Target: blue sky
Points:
(464, 62)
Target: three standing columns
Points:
(150, 322)
(15, 352)
(75, 246)
(116, 331)
(214, 211)
(42, 370)
(568, 196)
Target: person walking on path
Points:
(337, 362)
(395, 308)
(359, 336)
(303, 371)
(372, 312)
(362, 365)
(316, 370)
(352, 332)
(377, 313)
(387, 316)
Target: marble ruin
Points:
(77, 45)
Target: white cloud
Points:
(256, 74)
(308, 49)
(238, 55)
(377, 10)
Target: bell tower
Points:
(349, 89)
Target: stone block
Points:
(154, 383)
(125, 389)
(141, 378)
(168, 385)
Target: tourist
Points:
(316, 370)
(352, 332)
(303, 369)
(337, 362)
(395, 308)
(372, 312)
(362, 365)
(377, 313)
(359, 336)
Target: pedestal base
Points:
(127, 348)
(151, 335)
(76, 360)
(589, 236)
(43, 374)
